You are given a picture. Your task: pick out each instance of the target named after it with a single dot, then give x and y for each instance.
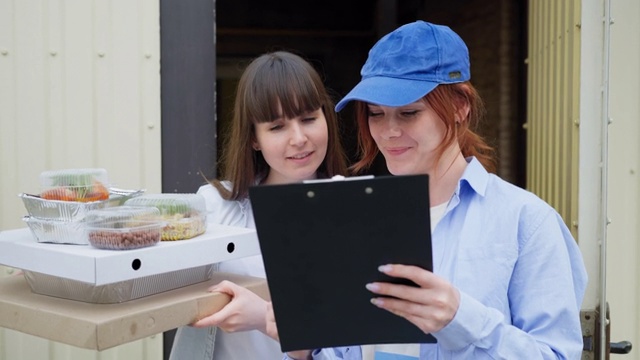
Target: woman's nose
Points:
(298, 136)
(390, 129)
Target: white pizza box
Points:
(86, 264)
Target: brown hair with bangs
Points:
(445, 99)
(274, 82)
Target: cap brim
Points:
(387, 91)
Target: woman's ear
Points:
(255, 145)
(462, 113)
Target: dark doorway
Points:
(336, 36)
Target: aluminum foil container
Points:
(57, 231)
(73, 210)
(117, 292)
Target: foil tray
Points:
(57, 231)
(72, 210)
(116, 292)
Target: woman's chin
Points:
(397, 169)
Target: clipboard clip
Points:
(338, 178)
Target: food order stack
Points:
(133, 244)
(110, 266)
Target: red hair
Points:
(445, 100)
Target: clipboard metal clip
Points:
(338, 178)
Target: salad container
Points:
(184, 215)
(83, 185)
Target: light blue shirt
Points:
(519, 271)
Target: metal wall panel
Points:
(79, 87)
(623, 233)
(554, 83)
(552, 105)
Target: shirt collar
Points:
(475, 176)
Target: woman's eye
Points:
(308, 119)
(275, 127)
(409, 113)
(374, 113)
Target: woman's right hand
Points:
(272, 331)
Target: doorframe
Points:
(593, 162)
(188, 100)
(188, 93)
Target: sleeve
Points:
(328, 354)
(545, 294)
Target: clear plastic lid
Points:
(84, 185)
(184, 214)
(186, 205)
(123, 234)
(124, 212)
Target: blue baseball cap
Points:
(406, 64)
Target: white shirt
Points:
(212, 343)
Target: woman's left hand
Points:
(245, 311)
(431, 306)
(271, 328)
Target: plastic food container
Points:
(57, 231)
(122, 213)
(183, 214)
(123, 234)
(83, 185)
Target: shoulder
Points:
(504, 206)
(513, 196)
(525, 210)
(211, 196)
(498, 187)
(496, 193)
(222, 211)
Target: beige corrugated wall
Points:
(553, 105)
(553, 115)
(79, 87)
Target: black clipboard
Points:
(322, 241)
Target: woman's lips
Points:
(397, 150)
(300, 156)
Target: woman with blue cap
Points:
(508, 278)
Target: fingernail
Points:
(384, 268)
(372, 287)
(377, 302)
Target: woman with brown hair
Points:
(284, 130)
